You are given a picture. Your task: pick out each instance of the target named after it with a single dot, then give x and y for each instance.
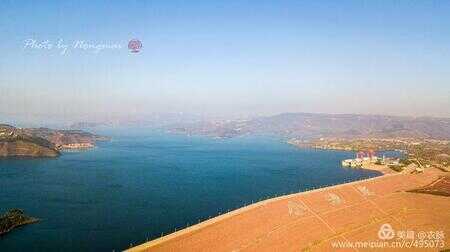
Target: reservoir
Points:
(144, 183)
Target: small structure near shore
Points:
(76, 146)
(361, 159)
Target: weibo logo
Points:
(135, 45)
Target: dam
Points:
(317, 220)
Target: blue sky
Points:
(226, 58)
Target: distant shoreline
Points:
(382, 168)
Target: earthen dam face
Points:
(342, 217)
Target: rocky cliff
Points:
(42, 142)
(69, 139)
(14, 143)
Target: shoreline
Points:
(384, 169)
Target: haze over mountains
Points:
(47, 142)
(308, 125)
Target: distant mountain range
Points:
(309, 125)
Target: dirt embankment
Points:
(324, 219)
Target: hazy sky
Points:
(225, 58)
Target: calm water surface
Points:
(142, 184)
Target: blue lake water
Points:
(145, 183)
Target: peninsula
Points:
(418, 152)
(43, 142)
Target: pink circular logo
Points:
(134, 45)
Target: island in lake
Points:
(43, 142)
(14, 218)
